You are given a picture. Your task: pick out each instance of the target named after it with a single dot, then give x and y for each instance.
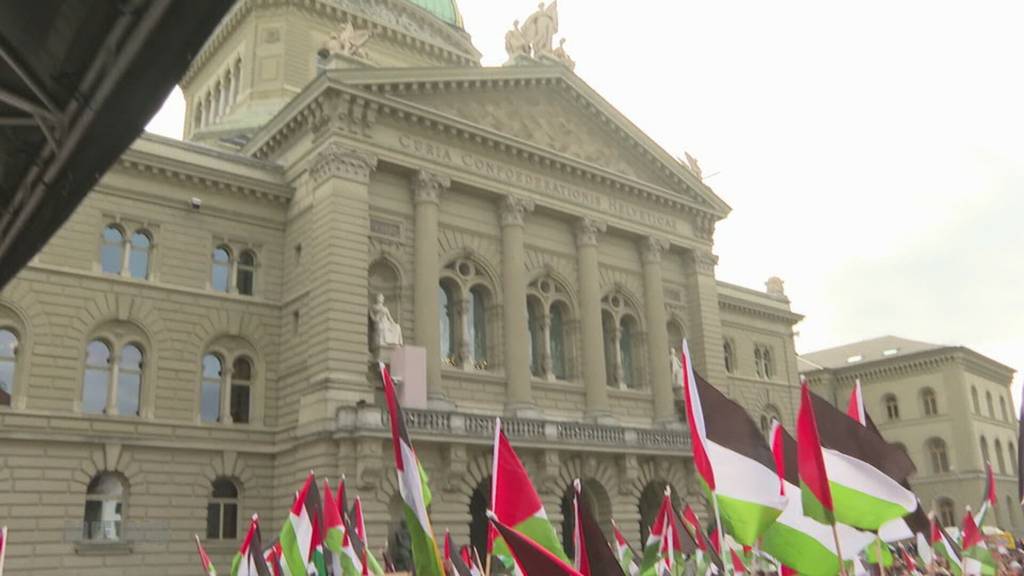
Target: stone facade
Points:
(949, 407)
(518, 193)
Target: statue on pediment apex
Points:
(694, 166)
(540, 28)
(516, 44)
(347, 42)
(562, 56)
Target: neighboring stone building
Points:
(949, 407)
(196, 337)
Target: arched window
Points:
(535, 322)
(220, 275)
(729, 355)
(98, 373)
(947, 514)
(129, 381)
(556, 340)
(241, 389)
(758, 367)
(974, 400)
(112, 250)
(222, 511)
(477, 324)
(939, 458)
(985, 459)
(466, 327)
(929, 403)
(1000, 461)
(479, 502)
(213, 376)
(1009, 513)
(197, 117)
(1002, 409)
(763, 362)
(549, 313)
(138, 258)
(447, 309)
(769, 414)
(383, 280)
(1012, 452)
(623, 356)
(104, 508)
(8, 364)
(892, 407)
(245, 277)
(988, 404)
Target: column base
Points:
(522, 410)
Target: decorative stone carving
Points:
(550, 465)
(516, 44)
(774, 287)
(337, 161)
(369, 455)
(513, 209)
(428, 186)
(677, 368)
(652, 248)
(587, 230)
(540, 28)
(347, 42)
(387, 333)
(629, 472)
(562, 56)
(694, 166)
(705, 261)
(457, 461)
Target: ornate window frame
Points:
(229, 349)
(116, 335)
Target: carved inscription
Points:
(529, 181)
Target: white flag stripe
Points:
(411, 486)
(863, 477)
(691, 382)
(743, 478)
(852, 540)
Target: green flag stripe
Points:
(538, 529)
(424, 550)
(745, 520)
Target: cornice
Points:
(369, 14)
(726, 302)
(924, 361)
(325, 100)
(204, 177)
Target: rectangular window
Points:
(240, 403)
(209, 409)
(94, 392)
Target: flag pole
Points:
(881, 563)
(839, 550)
(718, 525)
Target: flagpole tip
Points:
(491, 515)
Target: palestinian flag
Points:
(989, 499)
(344, 561)
(878, 552)
(299, 530)
(248, 561)
(855, 408)
(531, 558)
(944, 547)
(707, 554)
(737, 564)
(978, 559)
(412, 484)
(204, 558)
(866, 476)
(795, 540)
(732, 458)
(908, 560)
(272, 556)
(624, 552)
(668, 542)
(3, 551)
(471, 559)
(594, 557)
(515, 503)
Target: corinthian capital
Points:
(337, 161)
(513, 209)
(587, 230)
(705, 261)
(428, 186)
(652, 248)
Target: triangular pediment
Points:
(548, 107)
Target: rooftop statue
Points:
(694, 166)
(540, 28)
(516, 44)
(347, 42)
(563, 56)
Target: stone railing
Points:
(430, 424)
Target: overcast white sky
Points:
(872, 151)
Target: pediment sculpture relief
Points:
(346, 42)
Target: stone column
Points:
(595, 379)
(513, 284)
(657, 333)
(225, 394)
(705, 338)
(427, 188)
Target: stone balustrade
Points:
(432, 425)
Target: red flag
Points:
(990, 486)
(908, 559)
(694, 527)
(204, 558)
(856, 406)
(737, 564)
(582, 559)
(779, 453)
(447, 547)
(971, 534)
(360, 527)
(787, 571)
(817, 494)
(533, 559)
(695, 417)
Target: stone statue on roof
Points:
(516, 44)
(562, 56)
(540, 28)
(694, 166)
(347, 42)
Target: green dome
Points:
(445, 10)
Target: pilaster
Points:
(595, 379)
(513, 278)
(651, 250)
(427, 188)
(339, 179)
(705, 338)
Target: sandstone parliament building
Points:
(196, 337)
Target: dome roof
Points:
(445, 10)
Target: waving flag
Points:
(204, 558)
(944, 547)
(855, 408)
(814, 485)
(412, 484)
(337, 538)
(594, 557)
(297, 534)
(624, 552)
(988, 501)
(531, 558)
(978, 560)
(732, 458)
(668, 542)
(908, 560)
(515, 502)
(737, 564)
(248, 561)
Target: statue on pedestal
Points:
(563, 56)
(386, 332)
(677, 368)
(516, 44)
(540, 28)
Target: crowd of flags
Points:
(825, 502)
